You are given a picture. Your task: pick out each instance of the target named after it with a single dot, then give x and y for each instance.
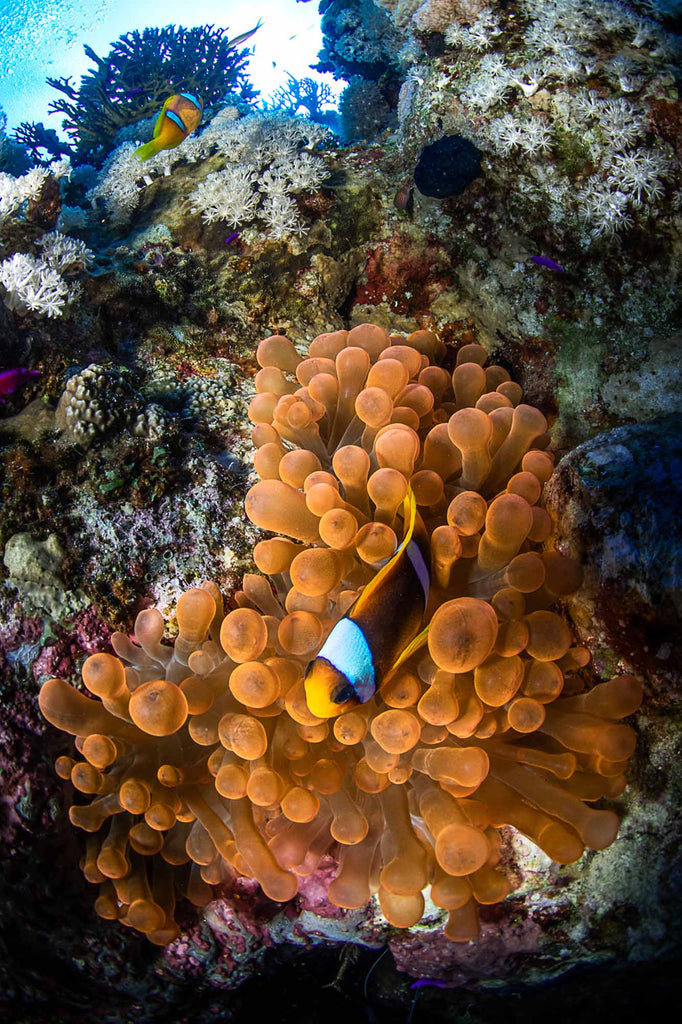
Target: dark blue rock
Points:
(618, 502)
(447, 166)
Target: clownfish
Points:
(380, 630)
(179, 116)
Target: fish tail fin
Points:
(148, 150)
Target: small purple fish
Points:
(231, 238)
(545, 261)
(425, 982)
(12, 380)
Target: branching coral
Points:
(313, 97)
(42, 144)
(203, 759)
(13, 157)
(140, 71)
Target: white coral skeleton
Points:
(31, 284)
(16, 191)
(62, 252)
(267, 155)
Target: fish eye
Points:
(343, 693)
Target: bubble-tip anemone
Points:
(202, 761)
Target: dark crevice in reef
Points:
(338, 983)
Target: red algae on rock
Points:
(223, 771)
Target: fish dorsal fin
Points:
(410, 517)
(159, 120)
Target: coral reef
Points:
(170, 307)
(629, 603)
(16, 191)
(304, 96)
(132, 82)
(359, 40)
(35, 569)
(206, 753)
(99, 401)
(267, 170)
(364, 111)
(94, 402)
(42, 145)
(446, 167)
(45, 285)
(268, 156)
(13, 157)
(569, 90)
(33, 285)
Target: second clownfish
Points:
(380, 630)
(179, 116)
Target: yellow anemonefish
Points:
(379, 631)
(179, 116)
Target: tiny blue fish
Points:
(232, 237)
(545, 261)
(425, 982)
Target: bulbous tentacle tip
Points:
(243, 750)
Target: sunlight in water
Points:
(40, 38)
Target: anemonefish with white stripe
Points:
(179, 116)
(380, 630)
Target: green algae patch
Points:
(571, 153)
(578, 368)
(356, 218)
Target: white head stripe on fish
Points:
(419, 565)
(347, 650)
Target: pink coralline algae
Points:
(86, 634)
(406, 278)
(491, 956)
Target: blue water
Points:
(40, 38)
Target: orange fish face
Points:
(324, 685)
